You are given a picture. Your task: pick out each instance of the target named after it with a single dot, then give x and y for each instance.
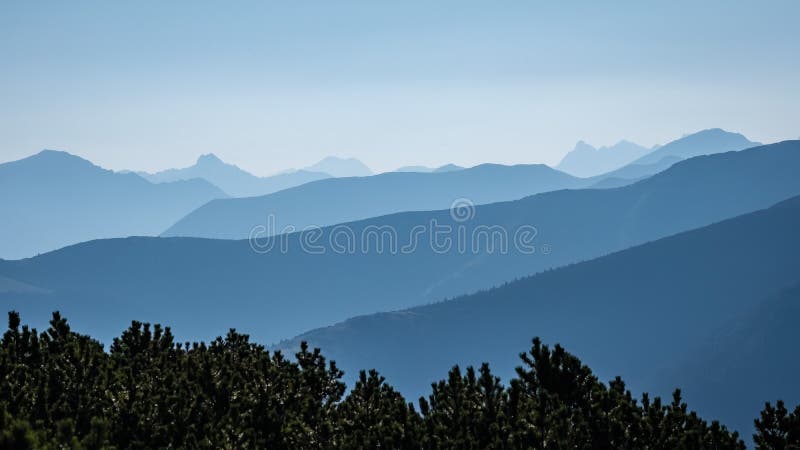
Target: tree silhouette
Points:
(61, 389)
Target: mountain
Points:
(637, 171)
(448, 168)
(424, 169)
(587, 161)
(636, 313)
(338, 200)
(233, 180)
(754, 348)
(704, 142)
(632, 173)
(340, 167)
(53, 199)
(276, 288)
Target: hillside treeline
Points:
(60, 389)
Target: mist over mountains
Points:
(638, 313)
(337, 200)
(676, 267)
(629, 161)
(333, 201)
(424, 169)
(53, 199)
(586, 161)
(275, 294)
(400, 225)
(233, 180)
(340, 167)
(301, 198)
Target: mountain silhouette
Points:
(338, 200)
(587, 161)
(274, 294)
(756, 347)
(706, 142)
(340, 167)
(636, 313)
(53, 199)
(660, 158)
(233, 180)
(636, 171)
(424, 169)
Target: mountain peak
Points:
(718, 133)
(704, 142)
(209, 158)
(340, 167)
(57, 158)
(586, 160)
(53, 154)
(582, 146)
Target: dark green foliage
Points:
(376, 416)
(777, 428)
(59, 389)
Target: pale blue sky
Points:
(272, 85)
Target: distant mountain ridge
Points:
(705, 142)
(626, 161)
(340, 167)
(338, 200)
(424, 169)
(53, 199)
(233, 180)
(276, 294)
(587, 161)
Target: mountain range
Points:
(53, 199)
(639, 313)
(276, 293)
(424, 169)
(338, 200)
(233, 180)
(629, 161)
(706, 142)
(587, 161)
(103, 204)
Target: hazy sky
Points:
(273, 85)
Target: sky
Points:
(268, 85)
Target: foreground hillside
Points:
(640, 313)
(61, 389)
(275, 294)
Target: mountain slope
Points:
(307, 280)
(759, 347)
(637, 171)
(53, 199)
(706, 142)
(636, 313)
(586, 161)
(338, 200)
(232, 179)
